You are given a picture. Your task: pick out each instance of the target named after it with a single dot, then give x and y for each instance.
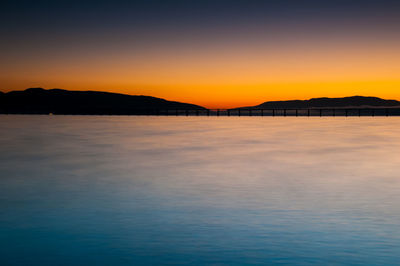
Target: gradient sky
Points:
(218, 54)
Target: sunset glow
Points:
(216, 58)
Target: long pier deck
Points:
(282, 112)
(342, 112)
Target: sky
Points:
(218, 54)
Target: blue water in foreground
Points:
(92, 190)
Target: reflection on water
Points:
(199, 190)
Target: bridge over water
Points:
(281, 112)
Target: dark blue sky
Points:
(20, 16)
(24, 23)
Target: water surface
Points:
(126, 190)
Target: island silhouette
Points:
(325, 102)
(58, 101)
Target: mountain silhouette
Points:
(345, 102)
(57, 101)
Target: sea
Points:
(157, 190)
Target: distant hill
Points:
(57, 101)
(349, 102)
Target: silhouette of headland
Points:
(57, 101)
(345, 102)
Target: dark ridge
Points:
(345, 102)
(58, 101)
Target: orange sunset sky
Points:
(216, 58)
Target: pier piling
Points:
(276, 112)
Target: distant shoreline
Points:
(37, 101)
(311, 112)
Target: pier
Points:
(278, 112)
(334, 112)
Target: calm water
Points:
(197, 190)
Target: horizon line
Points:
(202, 105)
